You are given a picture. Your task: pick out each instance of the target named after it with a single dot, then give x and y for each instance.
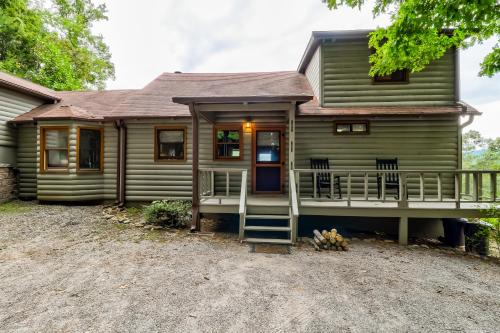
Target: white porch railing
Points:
(210, 177)
(294, 206)
(428, 181)
(242, 209)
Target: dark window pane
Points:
(170, 144)
(397, 76)
(89, 153)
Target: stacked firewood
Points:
(329, 240)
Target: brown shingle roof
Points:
(84, 105)
(155, 100)
(26, 86)
(312, 108)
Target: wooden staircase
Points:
(268, 222)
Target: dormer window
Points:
(399, 76)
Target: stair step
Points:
(267, 217)
(269, 240)
(265, 228)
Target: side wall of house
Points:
(346, 82)
(147, 180)
(27, 160)
(313, 73)
(72, 185)
(12, 104)
(418, 143)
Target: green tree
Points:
(480, 153)
(52, 43)
(422, 30)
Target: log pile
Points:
(329, 240)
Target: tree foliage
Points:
(423, 30)
(51, 43)
(480, 153)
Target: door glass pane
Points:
(89, 154)
(268, 147)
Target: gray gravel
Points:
(67, 269)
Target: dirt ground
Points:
(67, 269)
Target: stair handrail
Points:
(294, 206)
(243, 202)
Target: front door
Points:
(268, 159)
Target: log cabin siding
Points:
(147, 180)
(313, 73)
(27, 160)
(345, 79)
(72, 185)
(425, 143)
(12, 104)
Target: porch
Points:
(424, 194)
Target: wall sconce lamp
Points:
(247, 125)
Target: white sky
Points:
(149, 37)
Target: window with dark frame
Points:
(170, 144)
(351, 127)
(399, 76)
(55, 148)
(90, 149)
(227, 143)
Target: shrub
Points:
(168, 213)
(493, 217)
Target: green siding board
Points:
(27, 161)
(346, 82)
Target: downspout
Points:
(121, 162)
(195, 222)
(460, 131)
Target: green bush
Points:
(168, 213)
(493, 217)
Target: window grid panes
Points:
(170, 144)
(56, 148)
(227, 145)
(351, 128)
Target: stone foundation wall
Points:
(8, 188)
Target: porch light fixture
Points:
(247, 125)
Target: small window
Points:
(228, 143)
(170, 144)
(54, 148)
(399, 76)
(90, 149)
(351, 128)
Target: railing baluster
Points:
(297, 176)
(331, 185)
(475, 187)
(227, 183)
(467, 184)
(349, 189)
(403, 188)
(314, 184)
(493, 180)
(366, 186)
(480, 187)
(383, 187)
(439, 187)
(212, 183)
(422, 194)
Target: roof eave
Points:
(32, 92)
(186, 100)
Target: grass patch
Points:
(134, 211)
(14, 207)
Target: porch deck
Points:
(357, 207)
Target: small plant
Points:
(168, 213)
(13, 207)
(493, 218)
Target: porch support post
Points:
(403, 230)
(291, 137)
(195, 223)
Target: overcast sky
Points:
(149, 37)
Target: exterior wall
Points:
(12, 104)
(418, 143)
(147, 180)
(346, 81)
(313, 73)
(27, 160)
(72, 185)
(7, 183)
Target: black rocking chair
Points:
(323, 179)
(391, 179)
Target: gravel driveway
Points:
(68, 269)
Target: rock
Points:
(424, 246)
(369, 239)
(139, 225)
(354, 239)
(388, 241)
(413, 246)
